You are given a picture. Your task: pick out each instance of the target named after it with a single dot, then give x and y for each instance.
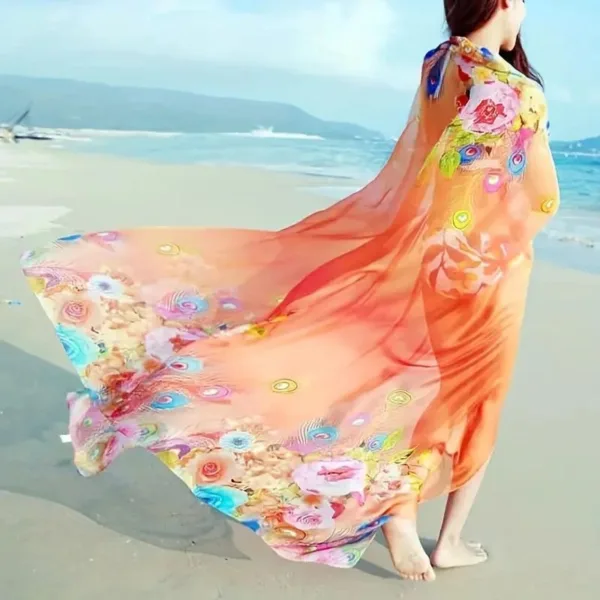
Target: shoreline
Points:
(63, 533)
(315, 191)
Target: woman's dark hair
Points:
(467, 16)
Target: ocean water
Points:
(572, 239)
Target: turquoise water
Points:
(573, 237)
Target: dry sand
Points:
(136, 532)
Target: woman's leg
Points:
(451, 550)
(409, 557)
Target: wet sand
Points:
(137, 532)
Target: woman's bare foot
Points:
(453, 554)
(408, 555)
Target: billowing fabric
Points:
(314, 381)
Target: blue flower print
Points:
(80, 349)
(237, 441)
(224, 499)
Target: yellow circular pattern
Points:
(169, 249)
(284, 386)
(289, 532)
(399, 398)
(548, 206)
(461, 219)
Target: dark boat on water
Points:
(9, 135)
(33, 135)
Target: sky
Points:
(355, 60)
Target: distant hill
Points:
(70, 104)
(588, 145)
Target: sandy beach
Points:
(135, 532)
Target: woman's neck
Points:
(487, 37)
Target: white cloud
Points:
(341, 37)
(346, 37)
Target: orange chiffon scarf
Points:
(310, 382)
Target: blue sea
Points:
(572, 239)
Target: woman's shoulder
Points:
(486, 83)
(499, 81)
(478, 65)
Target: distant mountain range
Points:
(73, 104)
(588, 145)
(70, 104)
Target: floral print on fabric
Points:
(304, 382)
(283, 495)
(457, 265)
(483, 155)
(491, 108)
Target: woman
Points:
(318, 382)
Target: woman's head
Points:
(465, 17)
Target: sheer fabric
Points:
(313, 381)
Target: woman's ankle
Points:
(449, 538)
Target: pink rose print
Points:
(332, 478)
(307, 517)
(492, 107)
